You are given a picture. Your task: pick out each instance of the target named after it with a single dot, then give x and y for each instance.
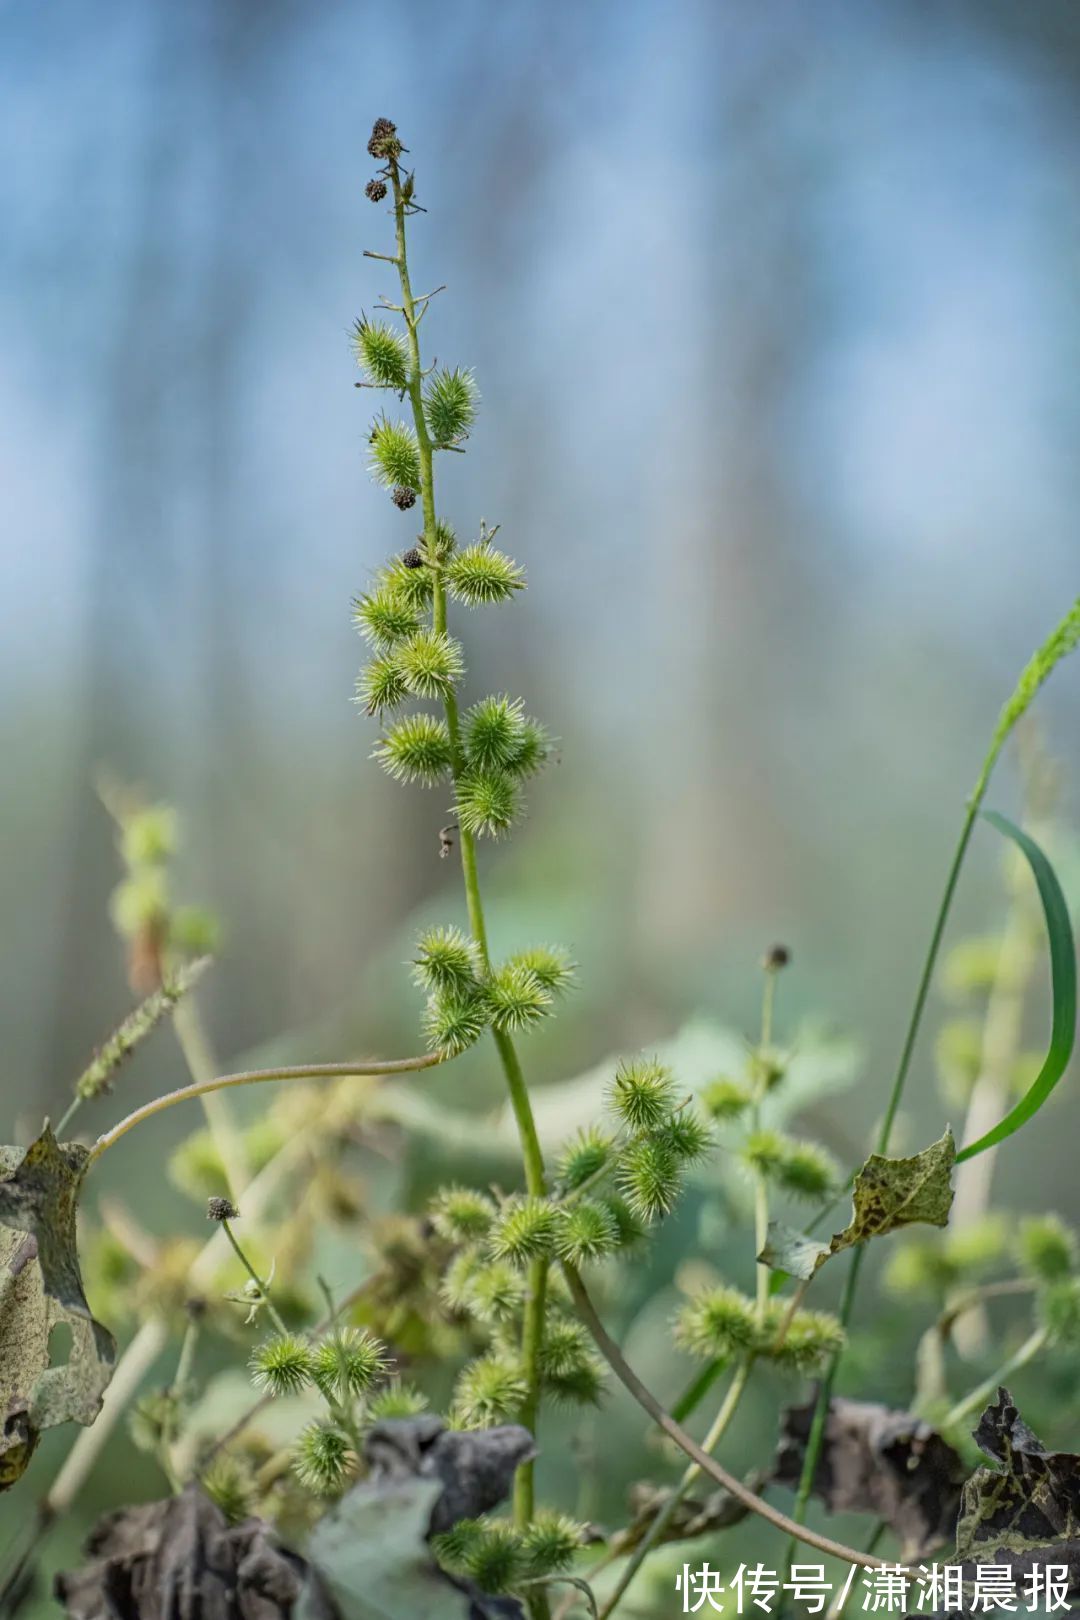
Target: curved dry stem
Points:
(359, 1069)
(708, 1465)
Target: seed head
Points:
(413, 558)
(221, 1209)
(403, 497)
(384, 142)
(775, 958)
(375, 190)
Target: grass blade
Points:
(1063, 982)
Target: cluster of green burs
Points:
(616, 1177)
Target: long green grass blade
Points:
(1063, 983)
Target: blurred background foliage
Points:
(774, 313)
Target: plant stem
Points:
(762, 1272)
(816, 1437)
(988, 1388)
(532, 1337)
(708, 1465)
(362, 1068)
(193, 1042)
(663, 1518)
(176, 1389)
(264, 1293)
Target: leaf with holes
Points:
(888, 1194)
(40, 1291)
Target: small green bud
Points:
(381, 685)
(480, 576)
(450, 400)
(1046, 1248)
(725, 1099)
(642, 1094)
(323, 1459)
(149, 836)
(462, 1215)
(718, 1322)
(523, 1230)
(487, 802)
(811, 1339)
(416, 749)
(516, 998)
(586, 1232)
(283, 1365)
(1059, 1311)
(445, 960)
(395, 457)
(453, 1021)
(551, 1542)
(490, 1390)
(384, 618)
(489, 1553)
(430, 663)
(348, 1363)
(687, 1135)
(585, 1156)
(396, 1400)
(650, 1176)
(381, 351)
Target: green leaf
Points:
(41, 1289)
(888, 1194)
(369, 1556)
(1063, 982)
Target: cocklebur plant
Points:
(502, 1270)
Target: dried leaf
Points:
(370, 1560)
(369, 1555)
(888, 1194)
(878, 1461)
(40, 1289)
(180, 1557)
(1025, 1513)
(476, 1466)
(693, 1516)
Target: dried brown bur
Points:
(875, 1460)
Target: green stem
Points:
(180, 1381)
(361, 1069)
(847, 1305)
(708, 1465)
(264, 1293)
(761, 1186)
(663, 1518)
(988, 1388)
(533, 1325)
(227, 1138)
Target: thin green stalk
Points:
(180, 1381)
(532, 1156)
(851, 1285)
(264, 1293)
(988, 1388)
(663, 1518)
(362, 1068)
(761, 1185)
(202, 1066)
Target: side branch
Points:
(359, 1069)
(708, 1465)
